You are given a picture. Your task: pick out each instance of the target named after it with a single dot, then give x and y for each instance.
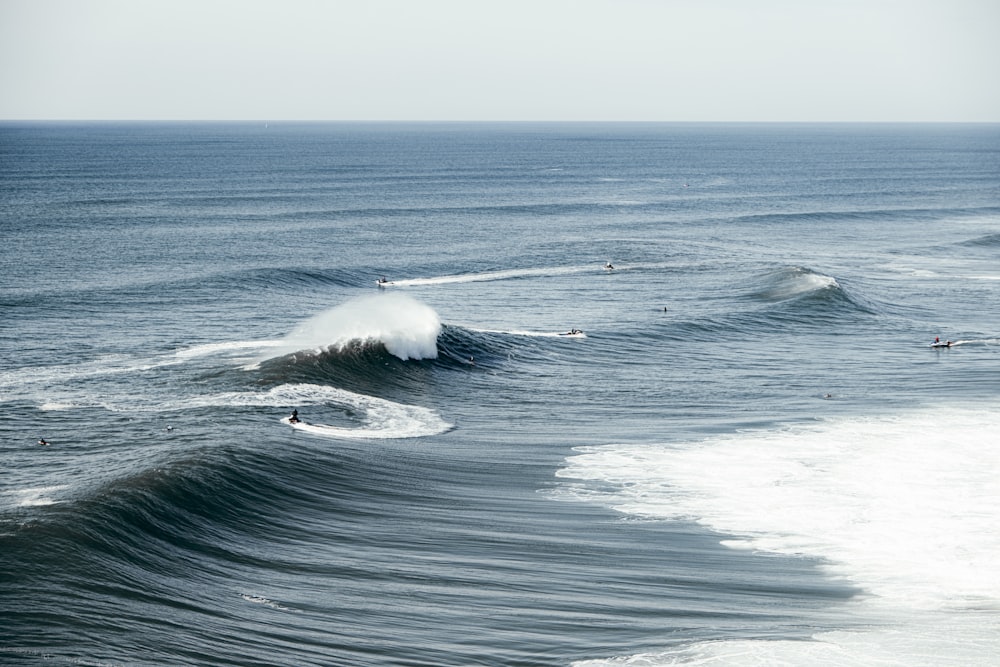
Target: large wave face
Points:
(407, 328)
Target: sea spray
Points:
(406, 327)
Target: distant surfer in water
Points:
(294, 419)
(609, 267)
(42, 441)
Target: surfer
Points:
(609, 266)
(294, 418)
(42, 441)
(383, 281)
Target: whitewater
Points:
(903, 508)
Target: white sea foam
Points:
(506, 274)
(57, 377)
(979, 341)
(56, 406)
(23, 380)
(209, 349)
(261, 600)
(35, 497)
(407, 327)
(533, 334)
(906, 508)
(381, 418)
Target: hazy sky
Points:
(671, 60)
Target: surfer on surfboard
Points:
(294, 418)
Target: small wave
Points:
(987, 241)
(933, 215)
(800, 295)
(273, 278)
(464, 346)
(793, 282)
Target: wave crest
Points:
(791, 283)
(407, 328)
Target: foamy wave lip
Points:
(382, 419)
(56, 406)
(406, 327)
(905, 507)
(36, 497)
(793, 282)
(921, 647)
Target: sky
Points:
(502, 60)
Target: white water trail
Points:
(377, 418)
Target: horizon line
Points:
(498, 121)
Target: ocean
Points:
(629, 394)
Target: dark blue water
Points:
(749, 454)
